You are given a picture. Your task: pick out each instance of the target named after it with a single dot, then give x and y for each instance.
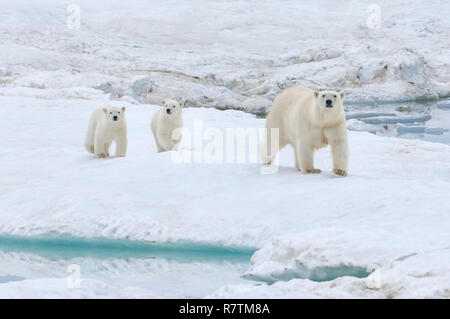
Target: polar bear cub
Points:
(107, 124)
(308, 120)
(164, 123)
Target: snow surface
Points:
(235, 54)
(394, 202)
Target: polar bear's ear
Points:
(105, 110)
(182, 102)
(342, 94)
(123, 108)
(163, 103)
(316, 94)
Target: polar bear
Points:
(308, 120)
(164, 122)
(107, 124)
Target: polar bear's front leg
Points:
(166, 144)
(100, 146)
(121, 146)
(339, 152)
(337, 138)
(165, 141)
(176, 137)
(304, 158)
(176, 146)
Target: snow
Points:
(235, 54)
(392, 212)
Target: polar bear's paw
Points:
(340, 172)
(102, 155)
(313, 171)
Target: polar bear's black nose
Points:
(329, 103)
(115, 117)
(168, 111)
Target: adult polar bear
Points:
(308, 120)
(107, 124)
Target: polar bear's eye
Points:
(335, 96)
(323, 95)
(110, 112)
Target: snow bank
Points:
(424, 275)
(237, 54)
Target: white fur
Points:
(307, 124)
(163, 125)
(103, 130)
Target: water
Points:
(178, 269)
(411, 120)
(4, 279)
(54, 246)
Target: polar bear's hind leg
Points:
(90, 137)
(267, 150)
(90, 148)
(263, 152)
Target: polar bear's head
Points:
(172, 107)
(114, 114)
(330, 100)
